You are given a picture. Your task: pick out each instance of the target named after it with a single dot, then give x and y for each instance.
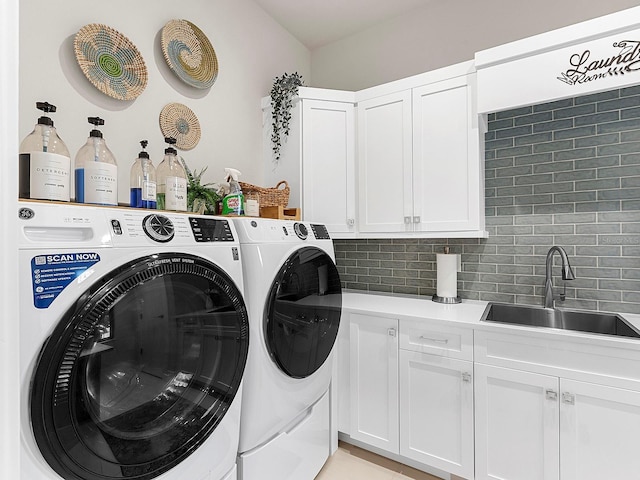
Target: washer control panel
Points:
(158, 228)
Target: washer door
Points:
(140, 370)
(302, 313)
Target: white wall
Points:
(9, 353)
(251, 48)
(441, 34)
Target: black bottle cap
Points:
(170, 149)
(45, 121)
(143, 154)
(95, 121)
(46, 107)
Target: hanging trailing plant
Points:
(282, 92)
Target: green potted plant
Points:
(282, 92)
(201, 198)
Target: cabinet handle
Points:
(391, 332)
(351, 222)
(407, 220)
(416, 219)
(444, 341)
(466, 377)
(551, 395)
(568, 398)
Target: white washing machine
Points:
(133, 343)
(294, 299)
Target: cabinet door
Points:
(328, 173)
(436, 411)
(374, 381)
(343, 373)
(517, 424)
(599, 432)
(446, 158)
(385, 202)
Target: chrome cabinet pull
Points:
(416, 219)
(407, 220)
(391, 332)
(568, 398)
(551, 395)
(351, 222)
(466, 377)
(444, 341)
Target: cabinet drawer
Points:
(435, 338)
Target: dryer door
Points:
(140, 370)
(302, 313)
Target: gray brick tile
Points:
(533, 199)
(515, 112)
(597, 97)
(514, 171)
(575, 218)
(619, 126)
(553, 146)
(575, 154)
(497, 144)
(626, 171)
(619, 149)
(534, 118)
(630, 113)
(534, 159)
(598, 228)
(554, 208)
(514, 151)
(575, 175)
(619, 239)
(630, 159)
(632, 90)
(597, 119)
(605, 183)
(630, 136)
(630, 205)
(550, 126)
(519, 210)
(577, 111)
(514, 132)
(597, 162)
(577, 132)
(623, 193)
(573, 197)
(618, 104)
(524, 179)
(597, 272)
(567, 102)
(619, 217)
(555, 229)
(553, 188)
(500, 125)
(516, 289)
(516, 269)
(596, 140)
(512, 191)
(380, 288)
(609, 206)
(620, 307)
(593, 294)
(499, 182)
(534, 139)
(557, 166)
(631, 274)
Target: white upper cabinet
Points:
(317, 158)
(420, 157)
(385, 163)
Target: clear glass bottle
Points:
(143, 181)
(172, 181)
(96, 170)
(44, 163)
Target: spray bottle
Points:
(233, 203)
(96, 170)
(44, 167)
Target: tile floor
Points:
(353, 463)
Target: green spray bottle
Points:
(233, 203)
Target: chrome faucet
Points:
(567, 274)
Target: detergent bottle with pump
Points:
(96, 170)
(44, 162)
(143, 181)
(172, 180)
(233, 203)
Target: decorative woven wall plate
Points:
(110, 61)
(179, 121)
(189, 53)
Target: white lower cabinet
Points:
(531, 426)
(436, 411)
(373, 359)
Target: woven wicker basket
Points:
(269, 197)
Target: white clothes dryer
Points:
(133, 344)
(294, 299)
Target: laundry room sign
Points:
(50, 274)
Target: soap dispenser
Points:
(143, 181)
(96, 170)
(44, 163)
(172, 180)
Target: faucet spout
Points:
(567, 274)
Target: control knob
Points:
(301, 230)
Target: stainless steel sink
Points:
(581, 321)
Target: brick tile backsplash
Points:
(560, 173)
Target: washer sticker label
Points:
(50, 274)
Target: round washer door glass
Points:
(302, 314)
(140, 370)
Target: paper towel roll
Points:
(447, 277)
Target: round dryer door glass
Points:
(302, 314)
(140, 370)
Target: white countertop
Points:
(468, 313)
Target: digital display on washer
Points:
(210, 230)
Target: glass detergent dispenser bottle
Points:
(172, 181)
(143, 181)
(44, 163)
(96, 170)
